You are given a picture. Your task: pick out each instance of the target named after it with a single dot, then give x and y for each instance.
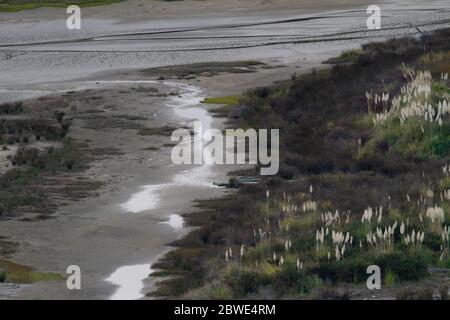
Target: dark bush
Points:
(262, 92)
(287, 172)
(29, 156)
(59, 115)
(2, 276)
(405, 266)
(292, 279)
(11, 108)
(245, 282)
(348, 270)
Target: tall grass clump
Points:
(417, 120)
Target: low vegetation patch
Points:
(349, 56)
(26, 187)
(19, 5)
(158, 131)
(206, 69)
(99, 121)
(11, 108)
(17, 273)
(227, 102)
(44, 163)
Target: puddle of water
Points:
(175, 221)
(129, 279)
(186, 105)
(146, 199)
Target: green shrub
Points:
(244, 282)
(289, 278)
(348, 270)
(2, 276)
(409, 267)
(389, 279)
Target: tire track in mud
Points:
(206, 28)
(367, 34)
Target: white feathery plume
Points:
(338, 254)
(402, 228)
(435, 214)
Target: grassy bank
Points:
(19, 5)
(364, 180)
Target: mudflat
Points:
(138, 10)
